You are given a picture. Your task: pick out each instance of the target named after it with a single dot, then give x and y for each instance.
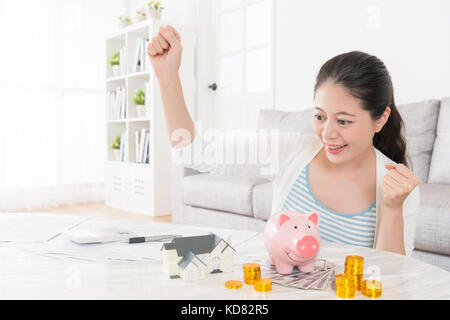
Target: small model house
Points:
(191, 258)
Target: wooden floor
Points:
(98, 209)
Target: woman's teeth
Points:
(337, 147)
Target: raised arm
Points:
(165, 52)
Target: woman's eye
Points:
(318, 117)
(344, 122)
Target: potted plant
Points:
(154, 9)
(139, 100)
(116, 148)
(114, 62)
(141, 15)
(124, 21)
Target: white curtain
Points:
(52, 100)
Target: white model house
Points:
(191, 258)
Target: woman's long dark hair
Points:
(367, 79)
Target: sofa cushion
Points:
(225, 193)
(440, 160)
(435, 195)
(432, 230)
(298, 121)
(262, 201)
(420, 120)
(438, 260)
(433, 221)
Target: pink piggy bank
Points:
(292, 239)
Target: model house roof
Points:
(196, 244)
(190, 247)
(188, 258)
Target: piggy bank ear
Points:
(314, 217)
(283, 219)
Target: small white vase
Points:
(153, 14)
(140, 110)
(116, 154)
(116, 70)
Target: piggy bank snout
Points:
(307, 246)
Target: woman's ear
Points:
(383, 119)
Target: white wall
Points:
(411, 37)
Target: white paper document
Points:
(61, 246)
(35, 227)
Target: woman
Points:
(353, 171)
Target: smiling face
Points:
(340, 122)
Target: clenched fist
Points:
(398, 184)
(165, 51)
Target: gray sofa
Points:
(244, 204)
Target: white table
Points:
(24, 275)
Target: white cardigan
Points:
(295, 152)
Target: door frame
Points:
(208, 72)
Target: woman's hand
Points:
(164, 52)
(397, 185)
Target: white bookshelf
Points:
(140, 187)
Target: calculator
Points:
(98, 235)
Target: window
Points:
(52, 102)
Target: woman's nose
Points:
(329, 131)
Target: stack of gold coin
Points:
(354, 268)
(252, 273)
(345, 286)
(263, 284)
(233, 284)
(372, 288)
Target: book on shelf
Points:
(123, 60)
(146, 156)
(117, 100)
(141, 60)
(123, 146)
(146, 58)
(142, 144)
(137, 62)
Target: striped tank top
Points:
(356, 229)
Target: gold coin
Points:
(250, 279)
(251, 267)
(251, 273)
(354, 259)
(263, 285)
(233, 284)
(343, 279)
(346, 293)
(372, 288)
(373, 284)
(345, 286)
(357, 279)
(354, 269)
(375, 294)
